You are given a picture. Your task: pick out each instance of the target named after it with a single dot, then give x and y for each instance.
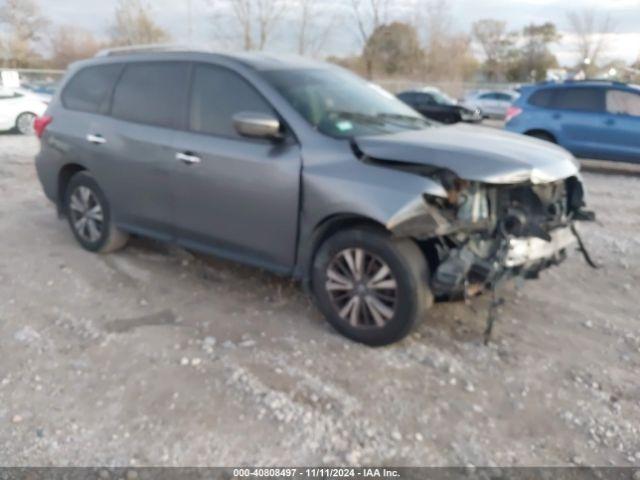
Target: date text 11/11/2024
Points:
(320, 472)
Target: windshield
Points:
(342, 105)
(442, 99)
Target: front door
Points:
(579, 115)
(623, 124)
(235, 196)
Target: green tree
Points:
(531, 58)
(394, 49)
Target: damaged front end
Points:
(482, 233)
(507, 207)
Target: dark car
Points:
(304, 169)
(435, 105)
(596, 119)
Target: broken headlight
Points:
(473, 204)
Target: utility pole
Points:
(189, 22)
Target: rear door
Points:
(149, 104)
(580, 118)
(239, 197)
(503, 102)
(487, 102)
(623, 123)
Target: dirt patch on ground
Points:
(155, 356)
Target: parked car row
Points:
(592, 118)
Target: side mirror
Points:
(257, 125)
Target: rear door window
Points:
(89, 89)
(217, 94)
(152, 93)
(582, 99)
(541, 98)
(623, 103)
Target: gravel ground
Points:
(156, 356)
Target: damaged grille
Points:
(531, 210)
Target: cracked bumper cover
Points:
(525, 251)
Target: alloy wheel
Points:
(87, 216)
(362, 288)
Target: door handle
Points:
(188, 158)
(609, 122)
(96, 139)
(556, 116)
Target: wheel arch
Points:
(323, 230)
(64, 176)
(541, 131)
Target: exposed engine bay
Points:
(482, 234)
(524, 228)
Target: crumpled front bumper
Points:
(527, 251)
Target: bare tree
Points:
(134, 25)
(311, 34)
(70, 43)
(496, 43)
(256, 19)
(591, 32)
(25, 26)
(369, 16)
(447, 53)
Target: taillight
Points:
(512, 113)
(41, 123)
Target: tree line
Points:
(423, 45)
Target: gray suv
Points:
(306, 170)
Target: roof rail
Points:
(157, 47)
(596, 80)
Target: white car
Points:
(18, 109)
(492, 104)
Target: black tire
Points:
(408, 268)
(542, 136)
(108, 238)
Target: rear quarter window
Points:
(88, 90)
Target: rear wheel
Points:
(24, 123)
(89, 216)
(371, 287)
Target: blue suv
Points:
(594, 119)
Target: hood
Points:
(474, 153)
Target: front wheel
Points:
(371, 287)
(89, 216)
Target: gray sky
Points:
(172, 14)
